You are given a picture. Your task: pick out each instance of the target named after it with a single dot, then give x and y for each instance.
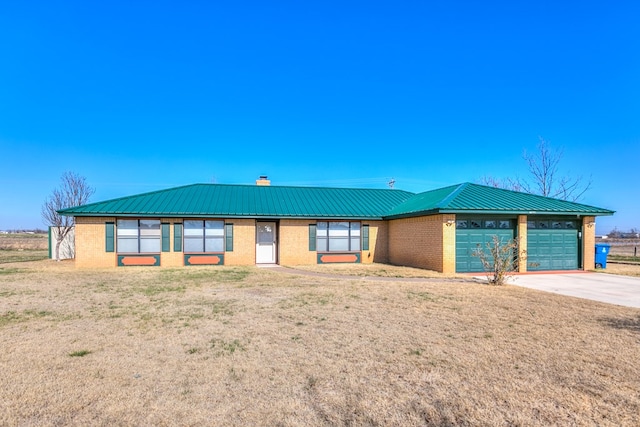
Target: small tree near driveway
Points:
(73, 191)
(498, 259)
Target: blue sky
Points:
(139, 96)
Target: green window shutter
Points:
(228, 235)
(365, 237)
(312, 237)
(166, 236)
(177, 237)
(109, 234)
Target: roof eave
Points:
(497, 212)
(220, 215)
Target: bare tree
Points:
(544, 176)
(73, 191)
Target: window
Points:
(484, 223)
(138, 236)
(337, 236)
(203, 236)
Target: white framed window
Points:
(138, 236)
(203, 236)
(338, 236)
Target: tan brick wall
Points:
(171, 259)
(420, 242)
(588, 243)
(378, 242)
(448, 243)
(244, 243)
(293, 243)
(521, 238)
(91, 243)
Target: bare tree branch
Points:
(73, 191)
(543, 167)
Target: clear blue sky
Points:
(143, 95)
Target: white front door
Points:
(266, 243)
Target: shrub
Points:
(498, 259)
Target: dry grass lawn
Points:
(622, 269)
(250, 346)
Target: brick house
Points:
(216, 224)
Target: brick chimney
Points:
(263, 180)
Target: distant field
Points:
(23, 247)
(622, 247)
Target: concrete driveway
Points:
(609, 288)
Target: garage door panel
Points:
(467, 242)
(552, 249)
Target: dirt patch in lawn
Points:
(250, 346)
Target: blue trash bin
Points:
(602, 250)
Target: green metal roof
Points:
(480, 199)
(250, 201)
(253, 201)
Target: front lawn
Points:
(251, 346)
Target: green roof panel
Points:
(252, 201)
(480, 199)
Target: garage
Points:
(474, 232)
(553, 244)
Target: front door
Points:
(266, 243)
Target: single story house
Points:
(217, 224)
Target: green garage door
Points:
(473, 232)
(552, 245)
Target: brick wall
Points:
(244, 243)
(378, 242)
(521, 238)
(448, 243)
(171, 259)
(420, 242)
(293, 244)
(588, 243)
(91, 243)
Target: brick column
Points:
(448, 243)
(521, 237)
(588, 243)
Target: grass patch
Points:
(625, 258)
(79, 353)
(425, 296)
(373, 270)
(622, 269)
(155, 290)
(10, 317)
(7, 270)
(222, 347)
(226, 275)
(26, 255)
